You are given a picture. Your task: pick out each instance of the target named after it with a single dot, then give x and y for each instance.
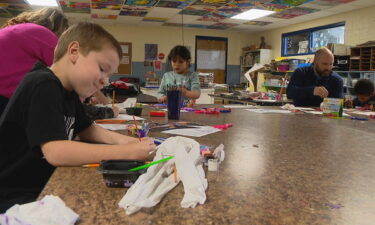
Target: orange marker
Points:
(91, 165)
(110, 121)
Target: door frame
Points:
(197, 37)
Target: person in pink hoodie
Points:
(24, 40)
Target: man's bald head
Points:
(323, 62)
(322, 52)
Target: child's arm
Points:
(97, 134)
(193, 94)
(195, 91)
(162, 92)
(73, 153)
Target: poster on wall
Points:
(158, 66)
(151, 52)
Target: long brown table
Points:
(279, 169)
(250, 101)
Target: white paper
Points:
(241, 106)
(315, 112)
(113, 126)
(125, 49)
(181, 110)
(268, 110)
(127, 117)
(198, 131)
(264, 100)
(211, 59)
(365, 113)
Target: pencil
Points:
(113, 98)
(175, 173)
(136, 127)
(150, 164)
(91, 165)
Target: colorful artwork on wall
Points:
(222, 26)
(110, 4)
(141, 2)
(104, 16)
(291, 2)
(172, 24)
(155, 19)
(75, 7)
(212, 17)
(212, 2)
(242, 4)
(134, 11)
(228, 11)
(293, 12)
(203, 26)
(257, 23)
(174, 4)
(151, 52)
(272, 7)
(194, 12)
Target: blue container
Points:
(174, 104)
(304, 65)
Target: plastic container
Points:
(293, 64)
(174, 104)
(136, 111)
(283, 67)
(116, 172)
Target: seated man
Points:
(309, 85)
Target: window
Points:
(308, 41)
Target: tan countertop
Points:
(279, 169)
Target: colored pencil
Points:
(91, 165)
(110, 121)
(150, 164)
(113, 98)
(175, 173)
(136, 127)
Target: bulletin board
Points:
(125, 66)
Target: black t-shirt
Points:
(371, 101)
(40, 110)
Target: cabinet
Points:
(249, 58)
(362, 58)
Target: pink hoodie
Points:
(21, 46)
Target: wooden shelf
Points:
(362, 58)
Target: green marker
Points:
(150, 164)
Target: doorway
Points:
(211, 57)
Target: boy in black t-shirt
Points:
(38, 126)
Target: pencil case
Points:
(116, 172)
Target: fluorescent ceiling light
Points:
(252, 14)
(42, 2)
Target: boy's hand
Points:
(321, 92)
(116, 111)
(143, 148)
(163, 99)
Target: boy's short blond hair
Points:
(90, 36)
